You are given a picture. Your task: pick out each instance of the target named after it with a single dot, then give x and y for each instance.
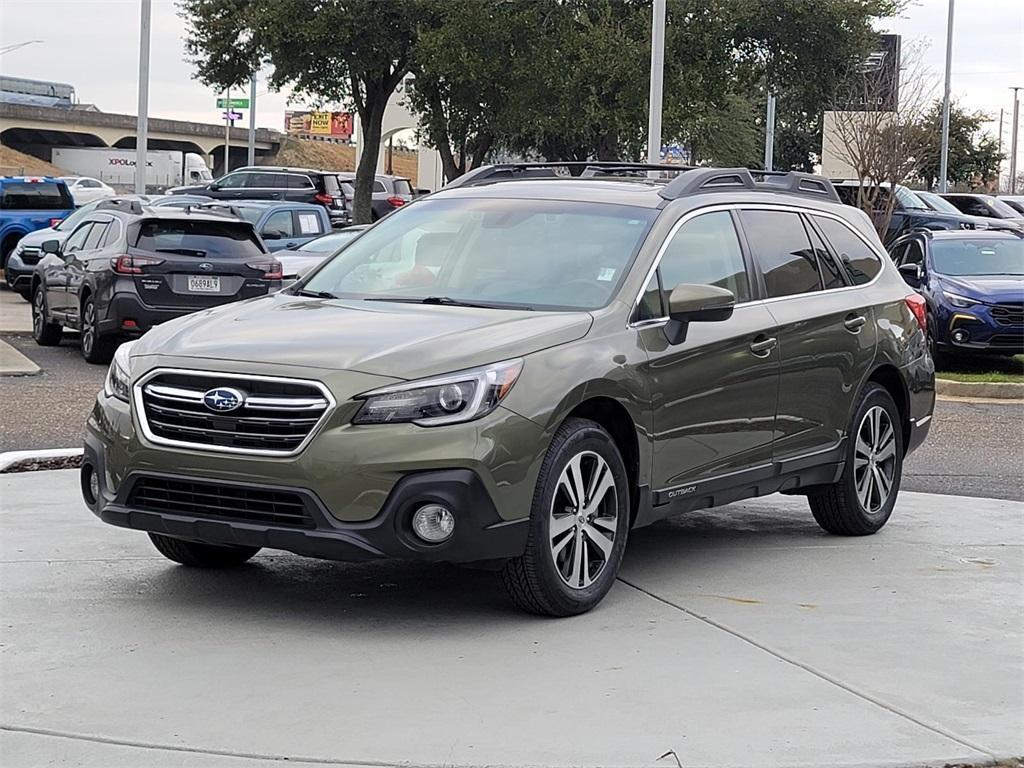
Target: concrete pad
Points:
(109, 651)
(13, 363)
(15, 313)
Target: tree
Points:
(974, 155)
(355, 51)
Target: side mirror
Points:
(51, 246)
(422, 191)
(213, 186)
(272, 234)
(911, 272)
(696, 303)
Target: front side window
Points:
(232, 181)
(978, 257)
(783, 253)
(706, 251)
(77, 239)
(913, 254)
(279, 223)
(518, 253)
(862, 263)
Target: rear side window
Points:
(99, 229)
(862, 263)
(205, 239)
(265, 181)
(831, 272)
(35, 196)
(402, 187)
(706, 251)
(783, 253)
(330, 185)
(378, 186)
(294, 181)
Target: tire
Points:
(197, 555)
(862, 501)
(571, 572)
(45, 333)
(96, 347)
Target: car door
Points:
(55, 270)
(77, 263)
(230, 187)
(261, 185)
(278, 230)
(713, 396)
(826, 329)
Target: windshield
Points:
(551, 254)
(937, 203)
(330, 243)
(909, 199)
(70, 222)
(978, 257)
(1003, 210)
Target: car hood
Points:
(986, 288)
(201, 189)
(40, 236)
(403, 341)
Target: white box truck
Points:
(116, 167)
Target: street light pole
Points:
(769, 134)
(657, 73)
(1013, 140)
(142, 119)
(944, 157)
(227, 130)
(251, 156)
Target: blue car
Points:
(973, 283)
(27, 204)
(281, 225)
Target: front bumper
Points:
(984, 334)
(17, 274)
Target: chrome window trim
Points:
(749, 207)
(140, 411)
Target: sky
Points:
(93, 44)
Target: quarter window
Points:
(706, 251)
(831, 272)
(862, 264)
(783, 252)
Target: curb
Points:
(989, 389)
(13, 363)
(9, 459)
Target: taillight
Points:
(919, 309)
(271, 268)
(323, 198)
(133, 265)
(396, 202)
(55, 222)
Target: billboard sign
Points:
(335, 124)
(877, 89)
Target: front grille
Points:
(1014, 341)
(30, 255)
(275, 417)
(228, 502)
(1009, 313)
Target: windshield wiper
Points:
(317, 294)
(446, 301)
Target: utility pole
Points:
(1013, 140)
(769, 134)
(142, 119)
(944, 158)
(657, 75)
(227, 130)
(999, 151)
(251, 156)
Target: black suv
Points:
(910, 212)
(263, 182)
(126, 268)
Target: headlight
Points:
(959, 301)
(457, 397)
(118, 381)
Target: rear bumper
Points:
(127, 305)
(480, 534)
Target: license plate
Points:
(203, 284)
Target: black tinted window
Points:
(706, 251)
(200, 238)
(35, 196)
(294, 181)
(831, 272)
(266, 181)
(862, 264)
(99, 229)
(784, 254)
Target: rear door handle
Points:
(762, 346)
(854, 323)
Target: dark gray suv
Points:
(520, 369)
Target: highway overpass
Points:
(36, 130)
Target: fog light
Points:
(433, 523)
(960, 335)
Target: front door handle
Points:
(762, 346)
(854, 323)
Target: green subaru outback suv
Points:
(520, 369)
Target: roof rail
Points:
(120, 204)
(219, 209)
(556, 170)
(727, 179)
(798, 183)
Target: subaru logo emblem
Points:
(206, 266)
(223, 399)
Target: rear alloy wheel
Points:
(96, 347)
(45, 333)
(861, 502)
(578, 525)
(198, 555)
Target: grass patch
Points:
(984, 369)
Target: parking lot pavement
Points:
(742, 636)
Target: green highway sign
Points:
(235, 103)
